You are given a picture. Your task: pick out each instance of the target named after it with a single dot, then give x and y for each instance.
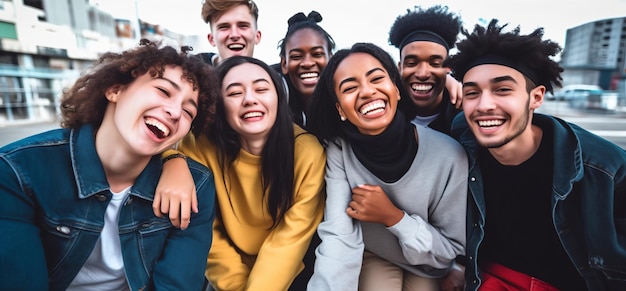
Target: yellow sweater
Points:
(246, 254)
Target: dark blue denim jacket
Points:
(588, 202)
(53, 196)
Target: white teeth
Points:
(155, 124)
(236, 46)
(252, 114)
(421, 87)
(372, 107)
(488, 123)
(309, 75)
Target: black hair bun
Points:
(313, 16)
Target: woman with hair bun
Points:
(304, 52)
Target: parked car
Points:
(592, 98)
(574, 91)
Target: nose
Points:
(249, 99)
(485, 102)
(234, 32)
(421, 71)
(307, 61)
(174, 110)
(367, 91)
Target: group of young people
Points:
(326, 171)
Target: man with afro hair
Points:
(548, 199)
(424, 38)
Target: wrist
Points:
(173, 156)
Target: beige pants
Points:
(380, 275)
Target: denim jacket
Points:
(588, 202)
(53, 196)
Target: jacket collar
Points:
(89, 172)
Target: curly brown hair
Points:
(213, 9)
(85, 102)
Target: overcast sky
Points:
(350, 21)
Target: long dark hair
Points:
(323, 119)
(277, 156)
(296, 23)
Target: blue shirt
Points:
(53, 196)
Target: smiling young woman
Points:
(396, 192)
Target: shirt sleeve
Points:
(22, 259)
(340, 254)
(225, 269)
(439, 240)
(185, 254)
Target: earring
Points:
(343, 118)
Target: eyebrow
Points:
(416, 57)
(492, 81)
(354, 79)
(311, 49)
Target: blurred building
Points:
(595, 54)
(46, 44)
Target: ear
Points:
(536, 96)
(210, 38)
(340, 111)
(112, 93)
(283, 65)
(400, 67)
(257, 37)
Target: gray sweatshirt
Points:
(432, 194)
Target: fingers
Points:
(194, 201)
(156, 205)
(352, 213)
(185, 216)
(174, 212)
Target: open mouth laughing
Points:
(373, 107)
(236, 46)
(252, 114)
(309, 77)
(421, 88)
(490, 123)
(159, 129)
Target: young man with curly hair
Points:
(547, 209)
(424, 38)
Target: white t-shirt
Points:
(104, 269)
(424, 120)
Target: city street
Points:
(611, 126)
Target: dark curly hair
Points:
(323, 119)
(277, 156)
(85, 102)
(435, 19)
(529, 52)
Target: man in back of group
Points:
(548, 199)
(234, 30)
(424, 38)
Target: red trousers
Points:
(497, 277)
